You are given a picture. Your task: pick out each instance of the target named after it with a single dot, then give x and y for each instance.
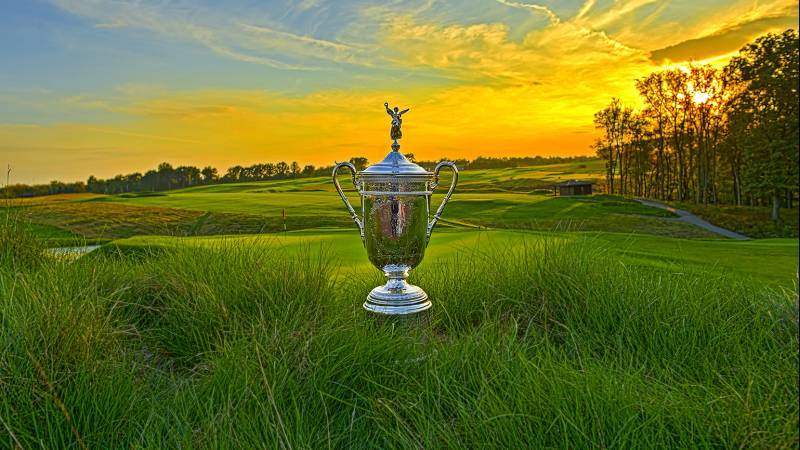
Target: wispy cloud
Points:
(722, 41)
(402, 35)
(220, 33)
(251, 58)
(484, 53)
(547, 12)
(587, 6)
(619, 11)
(268, 38)
(494, 78)
(111, 25)
(304, 5)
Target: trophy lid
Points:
(394, 164)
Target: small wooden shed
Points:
(573, 187)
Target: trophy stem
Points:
(397, 296)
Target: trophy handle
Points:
(435, 183)
(344, 197)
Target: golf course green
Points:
(767, 261)
(496, 199)
(571, 322)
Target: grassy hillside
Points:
(195, 329)
(569, 340)
(202, 213)
(752, 221)
(498, 198)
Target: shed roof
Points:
(574, 183)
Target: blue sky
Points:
(103, 86)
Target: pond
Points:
(72, 251)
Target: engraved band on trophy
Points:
(395, 222)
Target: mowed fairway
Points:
(241, 198)
(310, 196)
(766, 262)
(496, 198)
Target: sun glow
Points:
(700, 97)
(241, 84)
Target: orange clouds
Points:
(475, 87)
(223, 128)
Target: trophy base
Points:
(397, 297)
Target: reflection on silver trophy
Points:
(394, 223)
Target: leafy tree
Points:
(133, 182)
(165, 176)
(92, 184)
(614, 120)
(768, 109)
(678, 105)
(359, 162)
(281, 169)
(209, 174)
(710, 135)
(186, 176)
(233, 174)
(652, 90)
(150, 181)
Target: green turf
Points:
(752, 221)
(535, 340)
(50, 235)
(309, 196)
(602, 331)
(483, 206)
(497, 198)
(523, 179)
(313, 195)
(771, 261)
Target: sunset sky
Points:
(104, 87)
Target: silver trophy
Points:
(395, 227)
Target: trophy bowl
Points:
(395, 223)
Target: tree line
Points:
(166, 177)
(707, 135)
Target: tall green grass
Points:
(549, 344)
(19, 247)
